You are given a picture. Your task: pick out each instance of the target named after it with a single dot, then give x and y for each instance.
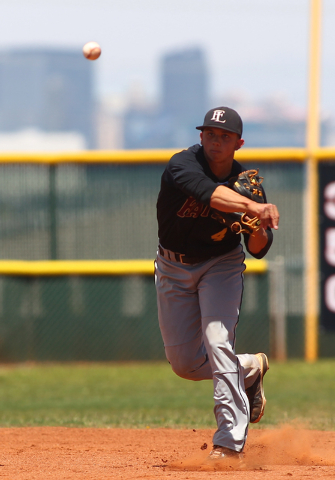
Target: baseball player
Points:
(199, 275)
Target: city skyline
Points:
(259, 48)
(46, 103)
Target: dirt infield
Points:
(89, 453)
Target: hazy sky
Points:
(259, 47)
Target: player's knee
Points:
(182, 363)
(183, 370)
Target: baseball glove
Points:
(248, 184)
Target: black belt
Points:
(181, 257)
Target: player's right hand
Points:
(266, 212)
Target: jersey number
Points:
(217, 237)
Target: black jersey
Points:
(186, 222)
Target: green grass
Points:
(302, 393)
(150, 395)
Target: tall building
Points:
(183, 104)
(184, 80)
(48, 90)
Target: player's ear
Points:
(201, 137)
(239, 143)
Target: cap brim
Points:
(202, 127)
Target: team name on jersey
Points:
(194, 209)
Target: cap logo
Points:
(217, 114)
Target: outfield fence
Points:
(76, 232)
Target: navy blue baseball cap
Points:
(225, 118)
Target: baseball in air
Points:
(91, 50)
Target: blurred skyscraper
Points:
(185, 98)
(46, 90)
(184, 101)
(184, 80)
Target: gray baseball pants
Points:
(198, 310)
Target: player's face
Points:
(220, 145)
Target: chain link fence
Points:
(108, 211)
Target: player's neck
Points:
(221, 170)
(220, 165)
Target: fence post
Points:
(277, 306)
(311, 195)
(52, 212)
